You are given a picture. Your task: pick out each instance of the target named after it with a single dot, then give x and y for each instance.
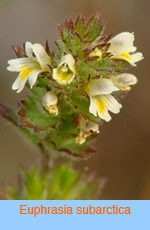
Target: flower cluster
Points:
(78, 88)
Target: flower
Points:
(101, 100)
(122, 47)
(65, 72)
(124, 81)
(30, 67)
(96, 53)
(86, 128)
(49, 102)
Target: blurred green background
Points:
(123, 145)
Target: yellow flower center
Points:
(126, 55)
(96, 53)
(52, 109)
(64, 73)
(25, 72)
(101, 104)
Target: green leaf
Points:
(80, 25)
(84, 71)
(36, 185)
(43, 82)
(61, 183)
(38, 92)
(37, 115)
(77, 46)
(95, 27)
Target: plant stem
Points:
(44, 160)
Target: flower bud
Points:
(49, 102)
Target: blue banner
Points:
(20, 215)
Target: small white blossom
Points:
(101, 100)
(66, 71)
(49, 102)
(122, 47)
(86, 128)
(30, 67)
(124, 81)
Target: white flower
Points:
(122, 47)
(66, 71)
(124, 81)
(86, 128)
(49, 102)
(101, 100)
(36, 62)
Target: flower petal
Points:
(16, 65)
(93, 107)
(32, 78)
(68, 59)
(121, 43)
(87, 125)
(19, 84)
(105, 116)
(101, 86)
(41, 56)
(58, 77)
(112, 104)
(65, 72)
(29, 49)
(102, 104)
(137, 57)
(92, 126)
(123, 81)
(63, 78)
